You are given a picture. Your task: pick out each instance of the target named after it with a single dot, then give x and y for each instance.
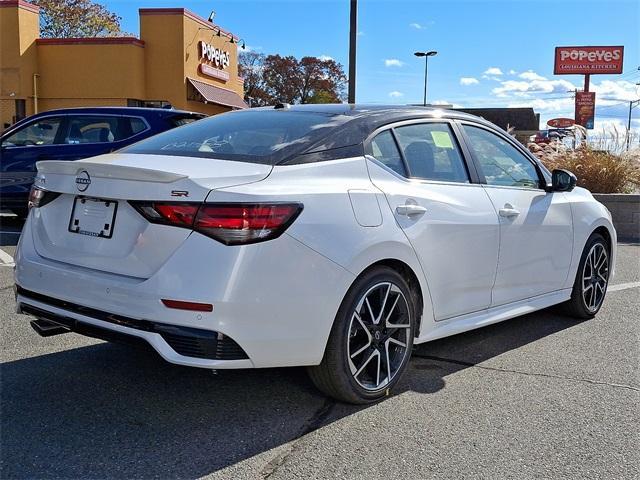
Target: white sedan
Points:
(334, 237)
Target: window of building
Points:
(501, 163)
(21, 109)
(431, 152)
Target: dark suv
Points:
(72, 134)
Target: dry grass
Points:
(598, 170)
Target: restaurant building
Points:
(180, 60)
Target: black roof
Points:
(364, 110)
(366, 119)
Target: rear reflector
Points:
(228, 223)
(195, 306)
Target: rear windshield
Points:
(256, 136)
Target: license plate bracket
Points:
(93, 217)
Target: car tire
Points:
(592, 279)
(376, 316)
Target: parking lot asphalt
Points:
(540, 396)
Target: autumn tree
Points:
(76, 18)
(269, 79)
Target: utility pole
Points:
(353, 37)
(632, 105)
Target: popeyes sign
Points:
(588, 60)
(218, 61)
(214, 55)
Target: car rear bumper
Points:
(275, 300)
(180, 345)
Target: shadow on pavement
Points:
(10, 228)
(113, 411)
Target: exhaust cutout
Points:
(47, 328)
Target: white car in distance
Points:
(334, 237)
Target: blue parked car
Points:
(72, 134)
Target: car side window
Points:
(91, 129)
(431, 152)
(137, 125)
(101, 129)
(384, 149)
(501, 163)
(40, 132)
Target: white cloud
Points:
(445, 103)
(540, 104)
(531, 75)
(393, 62)
(468, 81)
(534, 86)
(396, 94)
(493, 71)
(615, 89)
(325, 57)
(417, 26)
(512, 72)
(489, 77)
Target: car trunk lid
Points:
(91, 223)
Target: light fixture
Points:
(219, 33)
(211, 16)
(240, 42)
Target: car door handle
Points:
(409, 210)
(508, 211)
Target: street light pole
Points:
(426, 56)
(353, 38)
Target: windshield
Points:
(256, 136)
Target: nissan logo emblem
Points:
(83, 180)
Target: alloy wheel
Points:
(595, 275)
(379, 336)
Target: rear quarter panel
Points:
(328, 223)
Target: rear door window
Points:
(101, 128)
(431, 152)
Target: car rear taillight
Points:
(38, 197)
(228, 223)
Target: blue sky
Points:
(504, 49)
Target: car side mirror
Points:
(562, 181)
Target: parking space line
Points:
(623, 286)
(6, 260)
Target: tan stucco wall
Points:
(80, 73)
(102, 72)
(19, 29)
